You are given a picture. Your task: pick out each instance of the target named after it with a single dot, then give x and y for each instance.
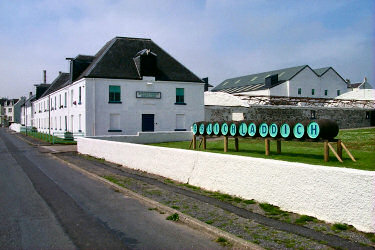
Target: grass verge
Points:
(360, 142)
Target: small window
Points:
(71, 98)
(79, 95)
(326, 92)
(65, 99)
(299, 91)
(59, 101)
(114, 94)
(338, 92)
(9, 110)
(367, 114)
(114, 123)
(180, 96)
(180, 122)
(313, 92)
(313, 114)
(66, 123)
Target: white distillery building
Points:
(130, 85)
(301, 81)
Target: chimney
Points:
(60, 72)
(44, 76)
(205, 83)
(30, 94)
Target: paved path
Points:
(45, 204)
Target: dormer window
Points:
(145, 61)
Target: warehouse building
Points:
(130, 85)
(300, 81)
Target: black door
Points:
(372, 117)
(147, 122)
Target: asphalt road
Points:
(45, 204)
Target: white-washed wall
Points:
(132, 108)
(328, 193)
(308, 80)
(149, 137)
(59, 110)
(332, 82)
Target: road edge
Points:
(186, 219)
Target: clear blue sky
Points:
(218, 39)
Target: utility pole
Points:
(49, 115)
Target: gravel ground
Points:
(265, 236)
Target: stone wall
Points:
(345, 117)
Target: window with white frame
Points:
(114, 123)
(71, 97)
(180, 122)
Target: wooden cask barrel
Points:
(194, 128)
(234, 128)
(209, 129)
(286, 130)
(322, 129)
(263, 129)
(252, 128)
(242, 128)
(274, 129)
(202, 128)
(224, 128)
(216, 126)
(299, 130)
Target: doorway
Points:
(148, 122)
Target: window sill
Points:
(115, 102)
(180, 129)
(179, 103)
(114, 130)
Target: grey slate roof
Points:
(57, 84)
(115, 60)
(354, 85)
(321, 71)
(256, 81)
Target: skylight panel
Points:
(225, 83)
(255, 77)
(282, 73)
(267, 75)
(237, 81)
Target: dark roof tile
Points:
(116, 60)
(57, 84)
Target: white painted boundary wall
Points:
(149, 137)
(328, 193)
(15, 127)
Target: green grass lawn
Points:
(48, 138)
(360, 142)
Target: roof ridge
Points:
(266, 72)
(96, 60)
(131, 38)
(176, 60)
